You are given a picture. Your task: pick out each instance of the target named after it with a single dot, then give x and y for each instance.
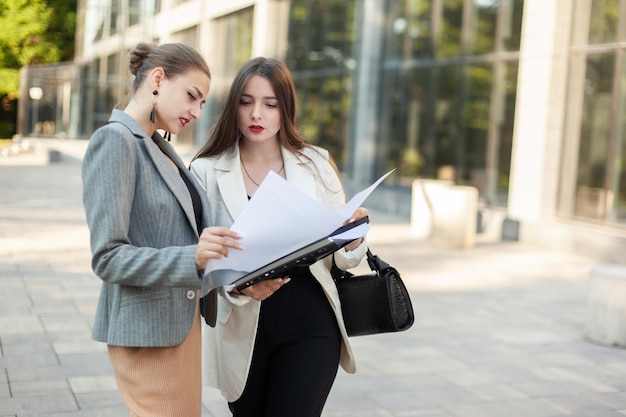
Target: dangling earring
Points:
(152, 115)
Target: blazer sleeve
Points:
(119, 203)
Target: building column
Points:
(539, 110)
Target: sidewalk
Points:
(498, 329)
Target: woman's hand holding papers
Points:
(358, 214)
(214, 243)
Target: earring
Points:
(152, 115)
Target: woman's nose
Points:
(256, 112)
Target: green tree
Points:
(34, 32)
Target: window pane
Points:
(483, 26)
(320, 57)
(504, 123)
(512, 23)
(595, 131)
(410, 30)
(618, 180)
(447, 118)
(232, 42)
(406, 135)
(473, 152)
(232, 47)
(449, 42)
(325, 107)
(604, 21)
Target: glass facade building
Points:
(521, 99)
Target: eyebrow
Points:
(199, 92)
(264, 98)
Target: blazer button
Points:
(191, 294)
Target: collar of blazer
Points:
(159, 151)
(298, 171)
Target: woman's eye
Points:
(191, 96)
(245, 103)
(272, 105)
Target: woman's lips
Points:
(183, 121)
(256, 129)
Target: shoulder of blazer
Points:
(119, 118)
(313, 152)
(317, 160)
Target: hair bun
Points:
(138, 55)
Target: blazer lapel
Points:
(160, 152)
(230, 181)
(299, 173)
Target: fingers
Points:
(221, 235)
(358, 214)
(214, 243)
(265, 289)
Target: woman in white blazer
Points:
(277, 346)
(147, 218)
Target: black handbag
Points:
(377, 302)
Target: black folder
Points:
(302, 257)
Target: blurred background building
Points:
(522, 99)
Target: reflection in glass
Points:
(504, 117)
(511, 16)
(410, 29)
(449, 40)
(451, 111)
(591, 193)
(618, 177)
(604, 21)
(321, 59)
(483, 24)
(232, 44)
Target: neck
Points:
(260, 152)
(141, 114)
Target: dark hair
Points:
(174, 58)
(225, 132)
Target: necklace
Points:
(248, 174)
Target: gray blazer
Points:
(143, 236)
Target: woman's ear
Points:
(156, 76)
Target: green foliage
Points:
(9, 81)
(34, 32)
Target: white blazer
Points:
(227, 348)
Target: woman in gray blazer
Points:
(147, 218)
(277, 345)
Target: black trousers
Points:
(296, 353)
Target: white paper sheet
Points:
(279, 219)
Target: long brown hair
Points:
(225, 132)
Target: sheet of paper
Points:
(279, 219)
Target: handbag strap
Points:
(374, 261)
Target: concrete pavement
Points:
(498, 331)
